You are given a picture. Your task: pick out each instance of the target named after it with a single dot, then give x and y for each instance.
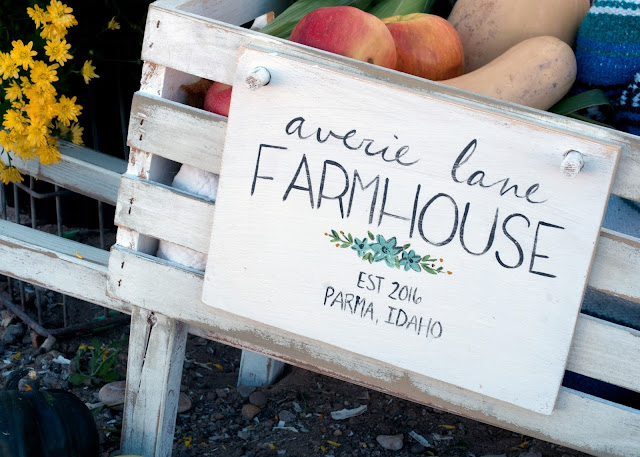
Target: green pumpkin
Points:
(46, 424)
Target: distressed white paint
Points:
(154, 372)
(80, 169)
(208, 48)
(273, 264)
(55, 263)
(179, 132)
(164, 213)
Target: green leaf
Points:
(350, 238)
(429, 6)
(426, 258)
(428, 269)
(387, 8)
(371, 237)
(77, 378)
(583, 100)
(345, 245)
(283, 24)
(397, 262)
(335, 234)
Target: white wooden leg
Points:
(154, 371)
(258, 370)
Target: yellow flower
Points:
(57, 49)
(6, 141)
(52, 31)
(37, 134)
(10, 174)
(13, 120)
(37, 14)
(88, 71)
(113, 24)
(76, 134)
(42, 74)
(68, 110)
(60, 15)
(14, 91)
(48, 154)
(8, 68)
(22, 54)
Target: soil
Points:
(290, 418)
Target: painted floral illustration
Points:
(376, 248)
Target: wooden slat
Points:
(154, 371)
(579, 421)
(165, 213)
(169, 214)
(605, 351)
(213, 48)
(56, 263)
(616, 268)
(82, 170)
(177, 131)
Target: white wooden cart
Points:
(188, 40)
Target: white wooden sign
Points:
(434, 236)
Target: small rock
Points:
(222, 393)
(337, 432)
(258, 398)
(113, 394)
(417, 448)
(391, 442)
(51, 381)
(245, 391)
(13, 333)
(531, 454)
(250, 411)
(244, 435)
(495, 455)
(286, 416)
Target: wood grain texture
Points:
(80, 169)
(56, 263)
(616, 268)
(236, 12)
(578, 421)
(164, 213)
(177, 131)
(154, 372)
(601, 347)
(188, 42)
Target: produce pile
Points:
(521, 52)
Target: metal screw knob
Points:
(572, 164)
(259, 77)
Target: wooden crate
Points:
(188, 40)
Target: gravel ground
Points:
(297, 416)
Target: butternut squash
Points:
(536, 72)
(487, 28)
